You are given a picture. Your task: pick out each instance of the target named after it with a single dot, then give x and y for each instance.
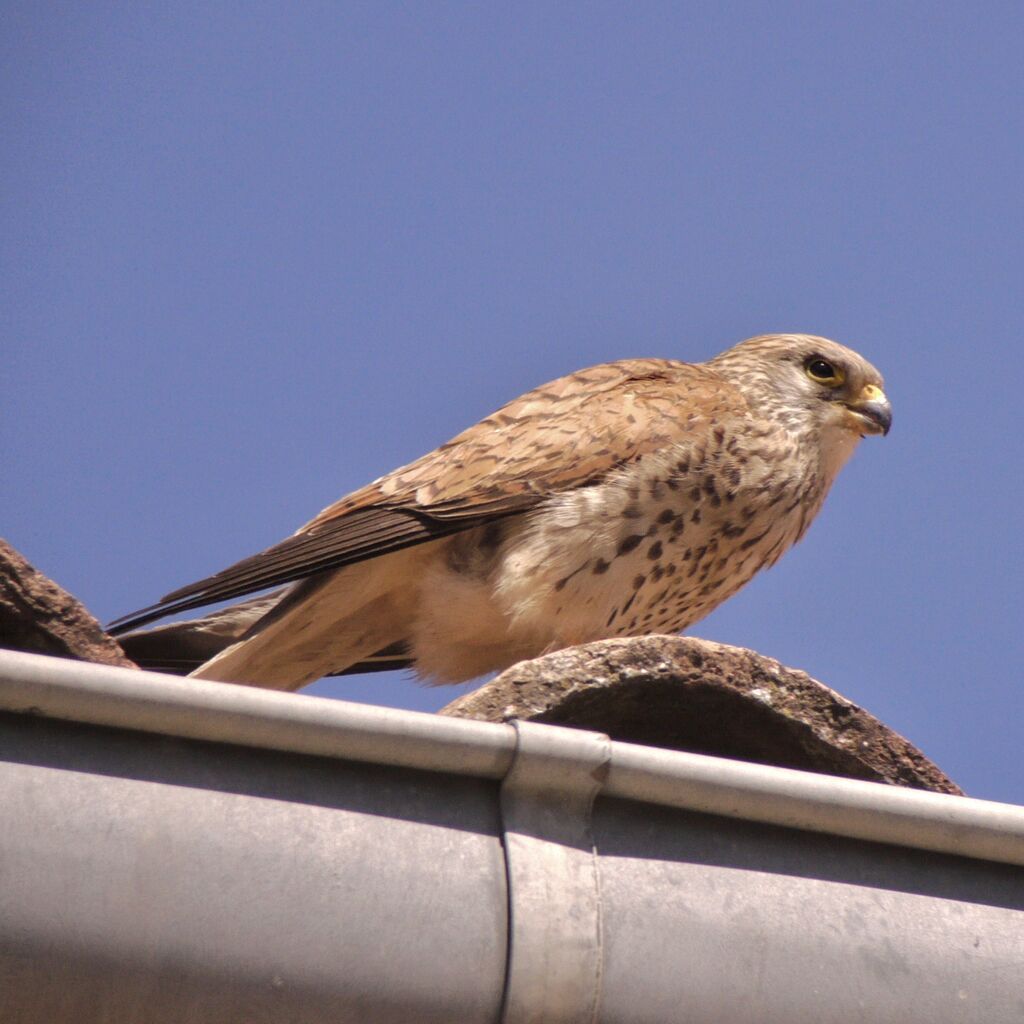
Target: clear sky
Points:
(254, 255)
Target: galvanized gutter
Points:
(247, 716)
(174, 850)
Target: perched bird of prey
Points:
(629, 498)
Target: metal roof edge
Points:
(247, 716)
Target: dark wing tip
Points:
(141, 617)
(333, 544)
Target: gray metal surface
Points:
(300, 724)
(554, 892)
(731, 922)
(157, 880)
(183, 851)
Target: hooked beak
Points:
(871, 410)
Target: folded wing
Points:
(566, 434)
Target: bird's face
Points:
(841, 390)
(813, 380)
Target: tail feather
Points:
(287, 656)
(329, 624)
(393, 658)
(179, 648)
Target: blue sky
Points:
(254, 255)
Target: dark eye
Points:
(821, 371)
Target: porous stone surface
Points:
(695, 695)
(38, 616)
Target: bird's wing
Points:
(563, 435)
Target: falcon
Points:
(629, 498)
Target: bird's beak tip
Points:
(873, 410)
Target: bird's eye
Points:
(821, 371)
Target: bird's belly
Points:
(639, 555)
(659, 571)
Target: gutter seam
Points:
(555, 952)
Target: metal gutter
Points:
(872, 811)
(177, 850)
(223, 713)
(247, 716)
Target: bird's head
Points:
(810, 380)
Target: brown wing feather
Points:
(565, 434)
(561, 435)
(365, 533)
